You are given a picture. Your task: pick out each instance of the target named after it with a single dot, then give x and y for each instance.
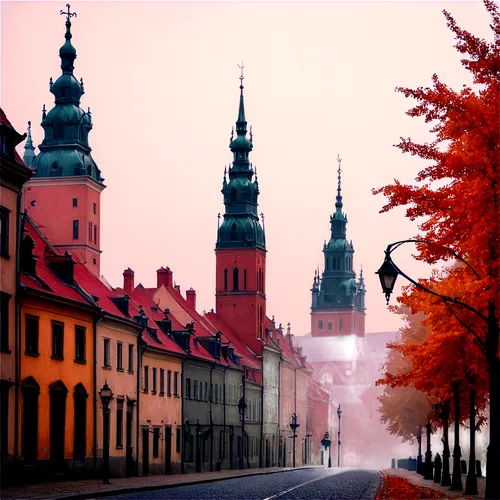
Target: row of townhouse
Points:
(134, 373)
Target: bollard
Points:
(463, 465)
(438, 465)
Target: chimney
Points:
(164, 277)
(191, 298)
(128, 280)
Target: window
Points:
(131, 358)
(340, 325)
(245, 279)
(75, 229)
(162, 381)
(195, 389)
(4, 321)
(176, 383)
(4, 232)
(31, 335)
(146, 379)
(90, 231)
(75, 202)
(320, 324)
(153, 390)
(169, 382)
(177, 440)
(95, 235)
(156, 442)
(119, 356)
(206, 391)
(119, 424)
(201, 391)
(216, 393)
(225, 279)
(235, 279)
(330, 325)
(107, 354)
(94, 205)
(57, 339)
(188, 388)
(80, 344)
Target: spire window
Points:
(233, 194)
(235, 279)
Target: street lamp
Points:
(339, 413)
(294, 426)
(241, 408)
(445, 417)
(388, 273)
(106, 395)
(326, 442)
(428, 453)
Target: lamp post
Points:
(428, 454)
(327, 443)
(388, 273)
(241, 408)
(339, 413)
(419, 456)
(294, 426)
(445, 417)
(106, 395)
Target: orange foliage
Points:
(397, 488)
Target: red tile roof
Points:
(248, 359)
(46, 280)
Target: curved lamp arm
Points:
(390, 264)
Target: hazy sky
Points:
(161, 79)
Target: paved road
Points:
(307, 484)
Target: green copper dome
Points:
(65, 149)
(241, 227)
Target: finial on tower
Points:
(241, 76)
(44, 112)
(68, 14)
(339, 171)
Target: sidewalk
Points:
(419, 480)
(91, 488)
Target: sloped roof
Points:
(46, 280)
(6, 122)
(248, 359)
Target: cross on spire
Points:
(241, 76)
(68, 14)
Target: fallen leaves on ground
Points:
(397, 488)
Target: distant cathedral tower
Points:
(338, 299)
(63, 196)
(241, 246)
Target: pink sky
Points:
(161, 79)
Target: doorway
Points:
(168, 450)
(129, 459)
(58, 392)
(145, 451)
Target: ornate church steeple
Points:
(240, 281)
(337, 306)
(65, 150)
(241, 227)
(29, 149)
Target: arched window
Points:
(245, 279)
(233, 235)
(80, 396)
(225, 279)
(58, 129)
(235, 279)
(337, 261)
(233, 194)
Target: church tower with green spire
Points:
(241, 244)
(63, 196)
(338, 298)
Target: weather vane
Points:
(241, 76)
(68, 14)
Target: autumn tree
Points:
(456, 199)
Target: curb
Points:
(137, 489)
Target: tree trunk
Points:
(456, 480)
(471, 483)
(492, 490)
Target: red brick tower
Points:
(240, 250)
(63, 196)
